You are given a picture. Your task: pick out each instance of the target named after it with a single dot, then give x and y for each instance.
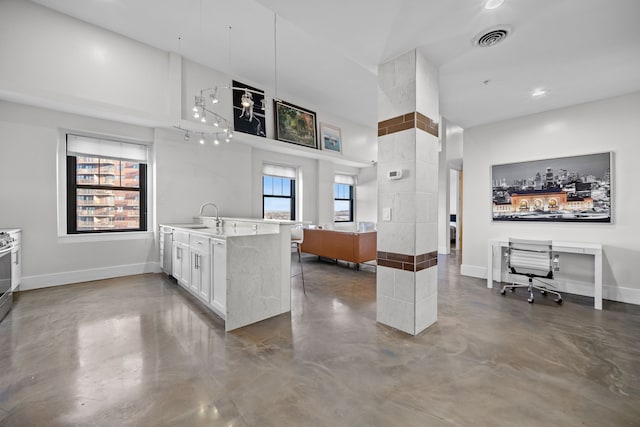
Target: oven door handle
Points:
(6, 250)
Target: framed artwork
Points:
(295, 125)
(331, 138)
(248, 110)
(565, 189)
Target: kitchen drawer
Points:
(181, 236)
(200, 243)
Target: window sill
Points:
(130, 235)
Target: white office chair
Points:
(297, 237)
(535, 260)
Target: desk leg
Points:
(490, 266)
(597, 272)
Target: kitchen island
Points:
(240, 271)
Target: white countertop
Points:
(259, 220)
(218, 232)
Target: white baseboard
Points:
(621, 294)
(609, 292)
(473, 271)
(68, 277)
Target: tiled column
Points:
(407, 273)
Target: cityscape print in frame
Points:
(566, 189)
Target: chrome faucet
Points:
(218, 220)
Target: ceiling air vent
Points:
(491, 36)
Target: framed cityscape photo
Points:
(248, 110)
(295, 124)
(331, 138)
(565, 189)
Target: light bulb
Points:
(226, 139)
(216, 141)
(203, 119)
(195, 108)
(196, 115)
(230, 135)
(214, 100)
(186, 136)
(216, 124)
(202, 140)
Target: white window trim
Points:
(298, 179)
(61, 174)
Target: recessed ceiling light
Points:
(493, 4)
(536, 93)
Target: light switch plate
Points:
(386, 214)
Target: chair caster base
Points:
(530, 300)
(558, 301)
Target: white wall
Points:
(58, 61)
(367, 195)
(607, 125)
(29, 139)
(189, 174)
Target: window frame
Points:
(292, 198)
(71, 202)
(350, 200)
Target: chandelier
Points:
(204, 102)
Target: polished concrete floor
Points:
(138, 351)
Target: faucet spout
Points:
(218, 220)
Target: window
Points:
(106, 186)
(343, 198)
(278, 192)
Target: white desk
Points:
(595, 249)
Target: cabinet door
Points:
(180, 261)
(185, 271)
(200, 283)
(194, 283)
(176, 262)
(204, 263)
(218, 297)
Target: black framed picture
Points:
(565, 189)
(248, 110)
(295, 124)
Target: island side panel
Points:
(254, 279)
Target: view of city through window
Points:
(343, 202)
(278, 197)
(116, 208)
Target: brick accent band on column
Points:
(407, 262)
(408, 121)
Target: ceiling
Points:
(324, 54)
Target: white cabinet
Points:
(200, 262)
(180, 258)
(16, 260)
(218, 297)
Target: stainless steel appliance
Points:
(6, 296)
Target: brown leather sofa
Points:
(343, 245)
